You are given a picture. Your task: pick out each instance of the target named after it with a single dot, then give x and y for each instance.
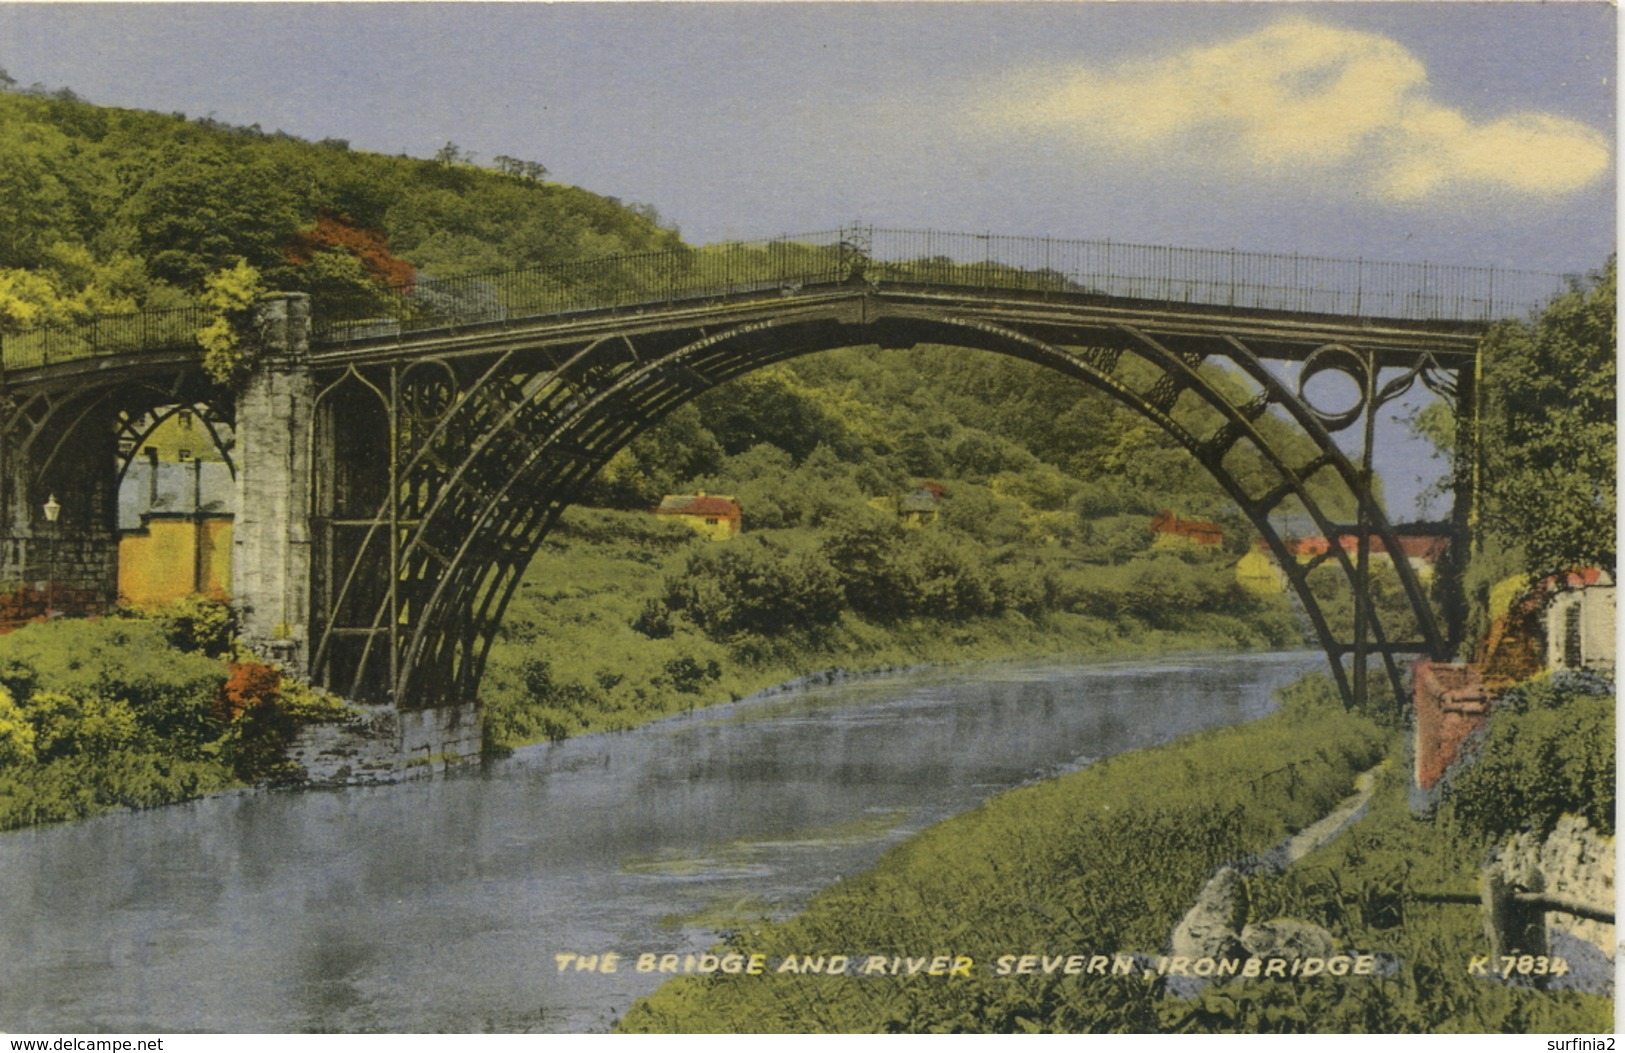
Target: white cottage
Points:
(1580, 626)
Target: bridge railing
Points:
(1214, 277)
(104, 335)
(934, 259)
(645, 279)
(916, 258)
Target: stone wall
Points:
(76, 582)
(1574, 863)
(387, 745)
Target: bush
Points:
(192, 623)
(251, 685)
(17, 735)
(940, 576)
(259, 728)
(90, 726)
(689, 677)
(1549, 751)
(170, 693)
(79, 786)
(755, 585)
(103, 714)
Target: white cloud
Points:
(1302, 99)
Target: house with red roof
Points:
(1170, 528)
(1421, 550)
(714, 515)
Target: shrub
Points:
(250, 686)
(90, 726)
(1549, 750)
(755, 585)
(17, 735)
(689, 677)
(192, 623)
(170, 693)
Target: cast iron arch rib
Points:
(528, 430)
(1240, 421)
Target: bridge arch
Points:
(484, 452)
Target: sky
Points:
(1462, 133)
(1477, 133)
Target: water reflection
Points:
(440, 905)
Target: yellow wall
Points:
(720, 530)
(172, 558)
(1258, 574)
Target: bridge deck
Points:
(1083, 285)
(1073, 319)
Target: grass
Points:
(1105, 861)
(1101, 861)
(1359, 888)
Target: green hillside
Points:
(1040, 542)
(107, 210)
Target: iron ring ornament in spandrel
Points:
(1356, 367)
(425, 397)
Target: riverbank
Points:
(1099, 867)
(859, 651)
(586, 646)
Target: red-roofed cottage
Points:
(715, 516)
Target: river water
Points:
(440, 905)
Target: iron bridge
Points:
(397, 472)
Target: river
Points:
(440, 905)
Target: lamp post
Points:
(52, 510)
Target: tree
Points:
(212, 207)
(531, 171)
(337, 232)
(1547, 432)
(230, 292)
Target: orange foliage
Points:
(335, 230)
(250, 686)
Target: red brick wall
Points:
(1451, 702)
(28, 604)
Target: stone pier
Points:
(271, 556)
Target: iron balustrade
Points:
(104, 335)
(926, 259)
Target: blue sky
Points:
(1475, 133)
(1066, 119)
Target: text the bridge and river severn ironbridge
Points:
(398, 467)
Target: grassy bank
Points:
(1107, 860)
(590, 643)
(142, 709)
(1103, 861)
(1359, 887)
(1548, 752)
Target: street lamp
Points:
(52, 510)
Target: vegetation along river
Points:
(440, 905)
